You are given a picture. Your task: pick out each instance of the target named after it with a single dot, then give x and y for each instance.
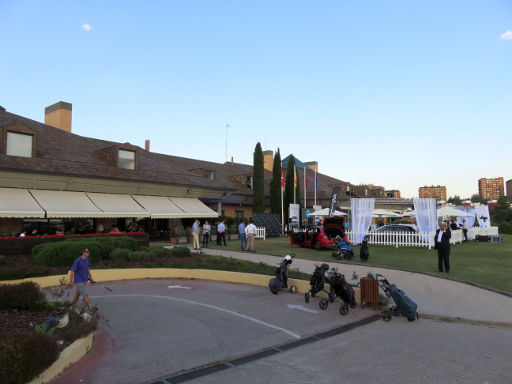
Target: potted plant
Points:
(233, 232)
(173, 236)
(182, 235)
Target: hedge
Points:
(24, 356)
(181, 251)
(22, 296)
(65, 252)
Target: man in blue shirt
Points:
(221, 233)
(80, 274)
(195, 234)
(243, 236)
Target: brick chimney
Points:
(58, 115)
(268, 160)
(313, 165)
(146, 146)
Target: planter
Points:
(234, 236)
(182, 239)
(213, 237)
(174, 240)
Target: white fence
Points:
(405, 239)
(260, 233)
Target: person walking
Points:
(250, 231)
(206, 233)
(221, 233)
(243, 236)
(442, 244)
(465, 230)
(79, 275)
(195, 234)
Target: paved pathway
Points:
(435, 296)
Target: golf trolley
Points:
(281, 280)
(404, 306)
(343, 250)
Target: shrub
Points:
(22, 296)
(3, 261)
(181, 232)
(120, 254)
(233, 229)
(24, 356)
(76, 328)
(142, 255)
(157, 250)
(65, 252)
(181, 251)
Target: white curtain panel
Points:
(426, 214)
(482, 214)
(362, 212)
(470, 220)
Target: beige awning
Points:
(117, 205)
(19, 203)
(160, 207)
(66, 204)
(193, 207)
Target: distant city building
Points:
(491, 189)
(438, 192)
(509, 187)
(393, 193)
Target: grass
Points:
(489, 264)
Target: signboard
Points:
(294, 218)
(318, 219)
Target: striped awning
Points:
(19, 203)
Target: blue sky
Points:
(397, 93)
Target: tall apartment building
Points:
(439, 192)
(491, 189)
(509, 187)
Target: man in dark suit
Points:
(442, 244)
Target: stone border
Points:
(68, 356)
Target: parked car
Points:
(407, 228)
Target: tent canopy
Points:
(385, 213)
(325, 212)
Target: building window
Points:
(209, 175)
(249, 182)
(126, 159)
(239, 213)
(19, 144)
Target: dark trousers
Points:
(224, 237)
(443, 257)
(465, 233)
(219, 237)
(206, 237)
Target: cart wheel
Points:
(353, 305)
(323, 304)
(335, 255)
(394, 310)
(411, 318)
(338, 256)
(417, 315)
(344, 309)
(293, 289)
(386, 316)
(306, 297)
(331, 299)
(317, 245)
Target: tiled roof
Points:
(64, 153)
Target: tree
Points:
(297, 190)
(258, 181)
(275, 185)
(502, 212)
(456, 200)
(288, 186)
(476, 198)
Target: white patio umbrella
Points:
(385, 213)
(325, 212)
(452, 212)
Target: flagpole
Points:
(315, 186)
(282, 202)
(305, 188)
(294, 184)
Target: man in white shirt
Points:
(221, 233)
(206, 233)
(250, 230)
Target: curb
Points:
(68, 356)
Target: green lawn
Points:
(489, 264)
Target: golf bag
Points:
(365, 251)
(339, 288)
(404, 306)
(317, 281)
(281, 280)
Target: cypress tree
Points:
(275, 186)
(258, 182)
(297, 190)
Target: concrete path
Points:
(435, 296)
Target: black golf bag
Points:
(344, 290)
(281, 280)
(365, 251)
(317, 281)
(404, 306)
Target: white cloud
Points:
(87, 27)
(507, 35)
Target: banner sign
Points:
(334, 198)
(294, 216)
